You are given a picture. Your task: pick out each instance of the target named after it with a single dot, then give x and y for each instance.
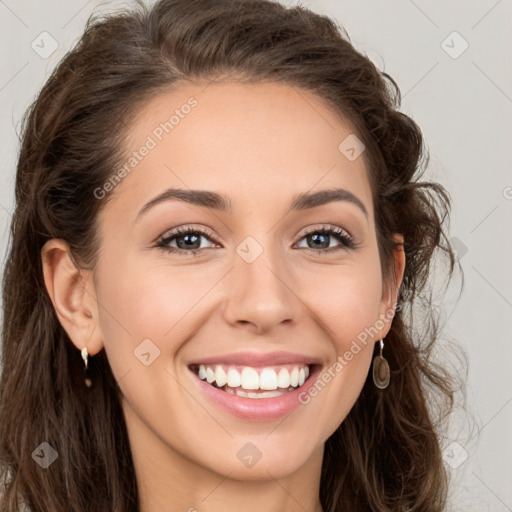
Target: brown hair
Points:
(386, 454)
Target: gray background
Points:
(463, 104)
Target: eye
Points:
(321, 238)
(187, 241)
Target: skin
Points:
(260, 145)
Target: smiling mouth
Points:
(254, 382)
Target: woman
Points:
(219, 238)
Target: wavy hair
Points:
(386, 454)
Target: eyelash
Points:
(347, 242)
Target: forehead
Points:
(252, 142)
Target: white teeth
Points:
(233, 378)
(283, 379)
(294, 377)
(249, 394)
(268, 378)
(220, 376)
(302, 376)
(210, 376)
(268, 394)
(250, 379)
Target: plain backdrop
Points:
(452, 61)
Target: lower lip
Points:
(257, 408)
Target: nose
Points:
(260, 295)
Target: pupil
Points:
(187, 244)
(315, 238)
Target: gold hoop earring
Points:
(381, 373)
(85, 357)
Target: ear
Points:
(73, 295)
(391, 289)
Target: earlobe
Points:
(73, 296)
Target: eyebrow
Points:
(222, 203)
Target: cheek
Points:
(345, 299)
(140, 302)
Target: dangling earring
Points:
(381, 373)
(85, 357)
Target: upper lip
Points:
(259, 359)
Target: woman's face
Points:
(265, 280)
